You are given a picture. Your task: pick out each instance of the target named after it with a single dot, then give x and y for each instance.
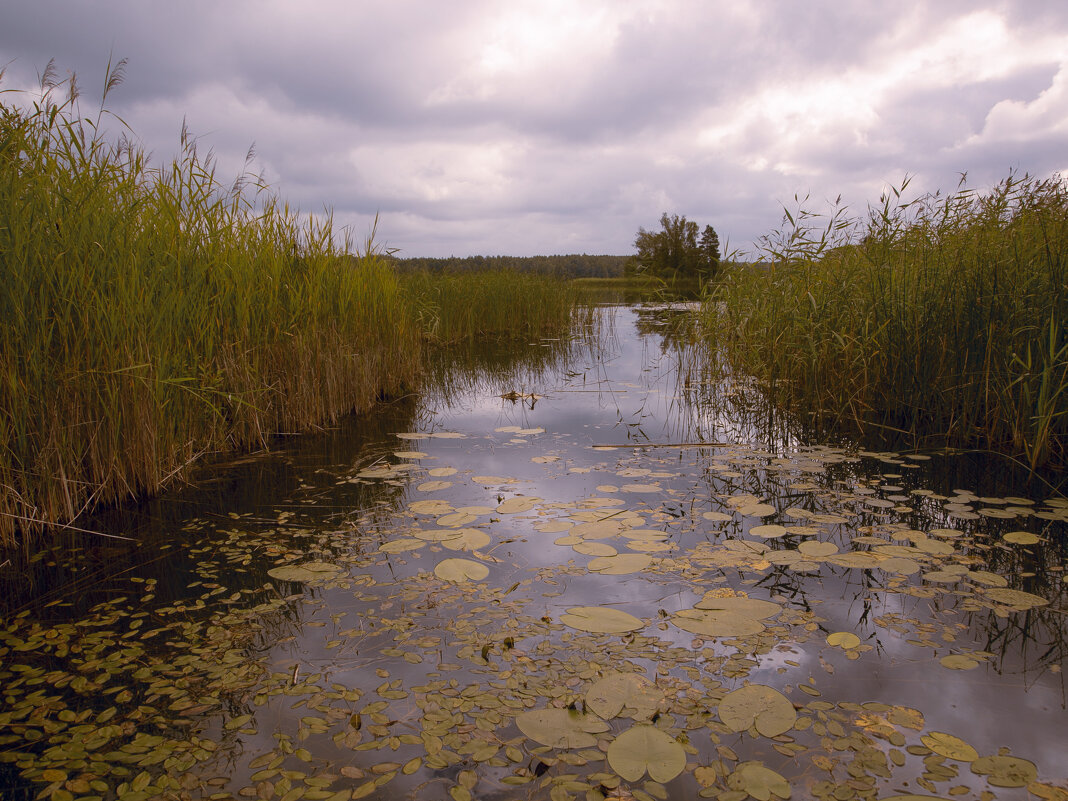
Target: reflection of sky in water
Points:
(627, 393)
(622, 388)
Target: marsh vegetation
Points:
(568, 550)
(942, 319)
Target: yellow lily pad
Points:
(757, 705)
(619, 692)
(843, 639)
(949, 746)
(460, 570)
(309, 571)
(560, 728)
(1005, 771)
(760, 782)
(600, 619)
(713, 623)
(620, 564)
(644, 748)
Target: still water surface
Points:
(626, 578)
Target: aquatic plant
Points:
(153, 314)
(942, 317)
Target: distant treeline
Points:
(574, 265)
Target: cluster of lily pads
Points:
(424, 651)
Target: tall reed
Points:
(152, 314)
(497, 304)
(942, 318)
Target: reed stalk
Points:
(942, 318)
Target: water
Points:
(296, 625)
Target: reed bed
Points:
(941, 319)
(153, 314)
(492, 304)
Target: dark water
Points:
(293, 625)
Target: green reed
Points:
(938, 319)
(497, 304)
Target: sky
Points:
(521, 128)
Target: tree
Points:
(710, 247)
(674, 250)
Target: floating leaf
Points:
(1017, 599)
(460, 570)
(1005, 771)
(309, 571)
(617, 692)
(594, 548)
(768, 532)
(402, 544)
(644, 748)
(620, 564)
(600, 619)
(560, 728)
(467, 539)
(1022, 538)
(843, 639)
(816, 549)
(760, 782)
(716, 623)
(739, 605)
(520, 503)
(433, 486)
(757, 510)
(949, 746)
(959, 662)
(766, 708)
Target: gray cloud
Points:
(524, 128)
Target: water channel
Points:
(581, 569)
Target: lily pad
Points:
(959, 662)
(309, 571)
(843, 639)
(1022, 538)
(467, 539)
(620, 564)
(949, 746)
(1005, 771)
(600, 619)
(1017, 599)
(761, 782)
(768, 532)
(618, 692)
(644, 748)
(460, 570)
(757, 705)
(739, 605)
(713, 623)
(560, 728)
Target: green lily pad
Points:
(757, 705)
(949, 746)
(619, 692)
(460, 570)
(560, 728)
(308, 571)
(760, 782)
(402, 544)
(1005, 771)
(644, 748)
(594, 548)
(600, 619)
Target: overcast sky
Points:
(523, 127)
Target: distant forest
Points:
(574, 265)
